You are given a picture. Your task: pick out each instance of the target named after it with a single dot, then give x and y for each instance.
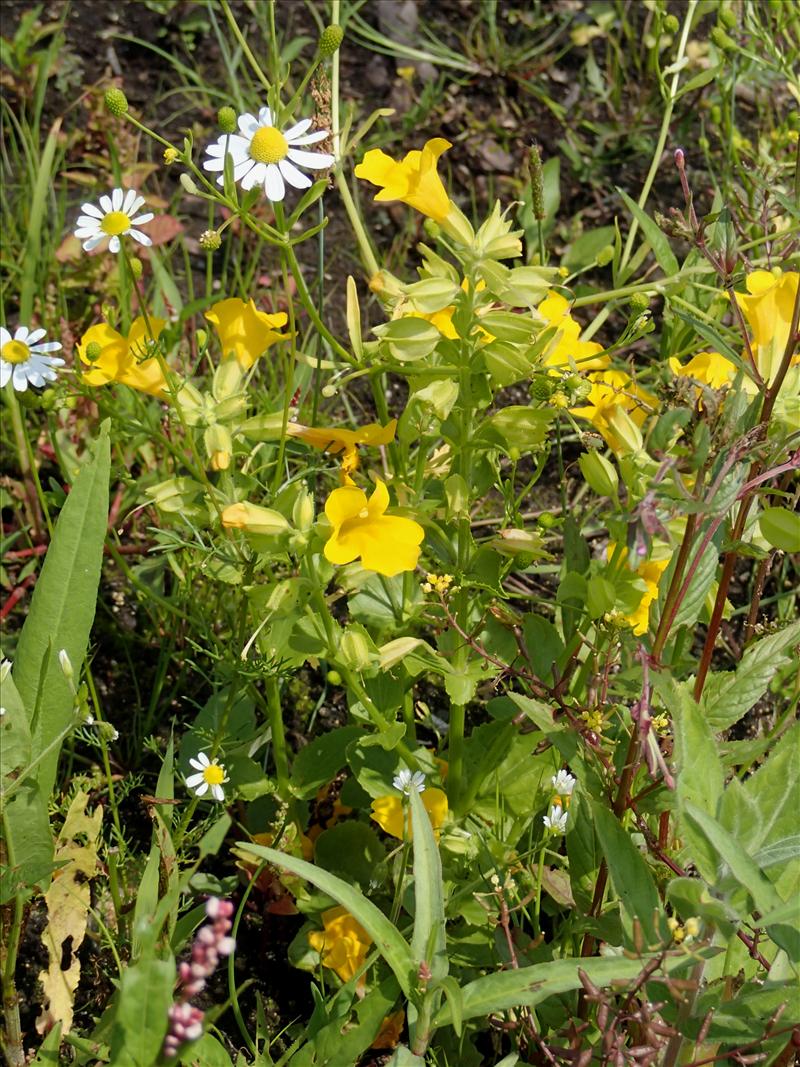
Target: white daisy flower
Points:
(405, 781)
(114, 218)
(563, 783)
(265, 155)
(556, 821)
(22, 359)
(211, 776)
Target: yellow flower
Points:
(387, 544)
(336, 439)
(390, 1031)
(566, 347)
(124, 359)
(415, 180)
(254, 519)
(388, 813)
(613, 391)
(650, 572)
(443, 319)
(245, 332)
(767, 305)
(344, 943)
(708, 368)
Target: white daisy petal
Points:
(117, 197)
(142, 238)
(312, 160)
(50, 346)
(105, 204)
(253, 177)
(93, 242)
(86, 231)
(293, 176)
(273, 183)
(197, 763)
(35, 336)
(245, 167)
(129, 201)
(92, 209)
(218, 792)
(194, 779)
(201, 789)
(142, 219)
(248, 124)
(310, 138)
(5, 336)
(5, 373)
(213, 164)
(297, 129)
(265, 117)
(114, 244)
(21, 333)
(20, 378)
(88, 220)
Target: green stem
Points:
(37, 504)
(537, 905)
(245, 47)
(279, 750)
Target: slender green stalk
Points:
(279, 750)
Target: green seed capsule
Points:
(330, 40)
(116, 102)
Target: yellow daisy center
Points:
(115, 223)
(15, 352)
(268, 145)
(214, 775)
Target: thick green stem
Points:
(279, 750)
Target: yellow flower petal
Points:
(121, 357)
(415, 180)
(386, 544)
(336, 439)
(388, 813)
(343, 944)
(710, 368)
(245, 333)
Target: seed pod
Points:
(330, 40)
(116, 102)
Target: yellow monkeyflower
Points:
(708, 368)
(387, 544)
(124, 359)
(343, 944)
(245, 332)
(414, 180)
(566, 347)
(614, 393)
(767, 305)
(335, 439)
(443, 319)
(390, 1031)
(650, 572)
(388, 813)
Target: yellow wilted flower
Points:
(343, 944)
(614, 391)
(125, 359)
(390, 1031)
(767, 305)
(414, 180)
(245, 332)
(388, 813)
(387, 544)
(708, 368)
(566, 347)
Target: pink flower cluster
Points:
(210, 943)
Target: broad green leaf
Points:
(702, 580)
(140, 1018)
(352, 850)
(730, 695)
(207, 1051)
(388, 940)
(321, 760)
(700, 775)
(28, 840)
(655, 237)
(781, 528)
(630, 876)
(518, 428)
(62, 610)
(427, 940)
(344, 1040)
(15, 731)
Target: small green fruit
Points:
(116, 102)
(330, 40)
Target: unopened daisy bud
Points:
(334, 678)
(116, 102)
(639, 303)
(136, 267)
(330, 40)
(226, 119)
(328, 391)
(210, 240)
(66, 665)
(671, 24)
(202, 338)
(93, 351)
(537, 181)
(171, 155)
(188, 184)
(432, 228)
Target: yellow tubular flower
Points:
(566, 347)
(708, 368)
(767, 305)
(613, 390)
(388, 544)
(245, 333)
(388, 813)
(335, 439)
(123, 359)
(344, 943)
(414, 180)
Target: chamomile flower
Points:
(114, 218)
(23, 361)
(405, 781)
(563, 783)
(211, 775)
(556, 821)
(264, 155)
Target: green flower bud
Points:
(599, 473)
(638, 303)
(188, 185)
(715, 114)
(226, 119)
(334, 678)
(201, 337)
(703, 143)
(548, 521)
(330, 40)
(93, 351)
(727, 17)
(48, 400)
(671, 24)
(542, 389)
(116, 102)
(210, 240)
(136, 267)
(722, 40)
(432, 228)
(605, 255)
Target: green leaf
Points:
(781, 528)
(655, 237)
(207, 1051)
(630, 876)
(427, 940)
(29, 841)
(321, 760)
(388, 939)
(521, 428)
(702, 580)
(15, 732)
(350, 849)
(730, 695)
(62, 610)
(700, 775)
(140, 1019)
